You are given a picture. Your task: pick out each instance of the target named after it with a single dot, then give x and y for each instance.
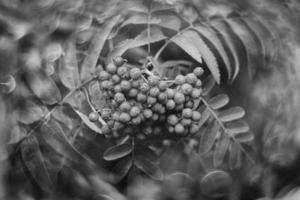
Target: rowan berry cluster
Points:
(145, 104)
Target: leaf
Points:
(52, 134)
(235, 156)
(208, 137)
(216, 184)
(31, 112)
(237, 127)
(16, 134)
(244, 137)
(218, 101)
(210, 35)
(43, 87)
(208, 85)
(122, 167)
(103, 197)
(169, 21)
(204, 117)
(118, 151)
(32, 159)
(141, 18)
(140, 40)
(234, 43)
(96, 45)
(252, 46)
(148, 168)
(68, 68)
(231, 114)
(175, 63)
(87, 122)
(192, 43)
(220, 150)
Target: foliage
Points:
(59, 141)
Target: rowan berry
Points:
(141, 97)
(103, 75)
(154, 92)
(186, 88)
(180, 79)
(125, 85)
(179, 129)
(187, 113)
(196, 116)
(153, 80)
(151, 100)
(133, 92)
(134, 111)
(124, 117)
(122, 71)
(198, 71)
(191, 78)
(170, 93)
(179, 98)
(93, 116)
(135, 73)
(162, 85)
(111, 68)
(148, 113)
(144, 87)
(172, 119)
(196, 93)
(119, 61)
(119, 97)
(125, 106)
(170, 104)
(115, 78)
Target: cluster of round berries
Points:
(144, 104)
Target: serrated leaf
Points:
(231, 114)
(140, 40)
(234, 43)
(121, 169)
(118, 151)
(251, 45)
(189, 41)
(32, 159)
(87, 122)
(220, 150)
(267, 37)
(96, 45)
(208, 85)
(244, 137)
(68, 68)
(237, 127)
(210, 35)
(188, 46)
(216, 184)
(208, 137)
(31, 112)
(235, 156)
(218, 101)
(43, 87)
(148, 168)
